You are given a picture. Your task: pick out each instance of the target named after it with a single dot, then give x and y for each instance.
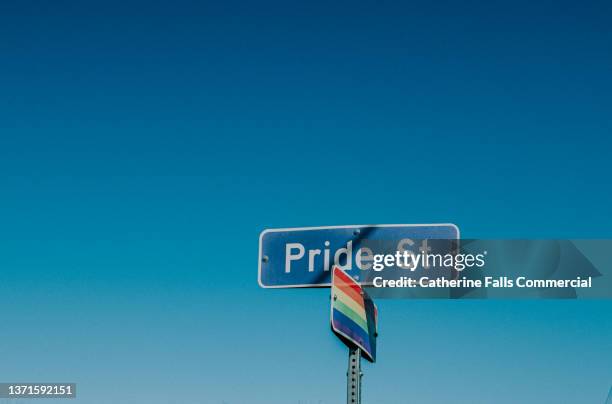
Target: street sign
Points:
(303, 257)
(354, 315)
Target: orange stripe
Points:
(349, 289)
(350, 292)
(348, 280)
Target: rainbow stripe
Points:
(349, 313)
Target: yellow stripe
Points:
(349, 302)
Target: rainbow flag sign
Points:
(354, 316)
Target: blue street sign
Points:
(303, 257)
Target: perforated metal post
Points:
(353, 391)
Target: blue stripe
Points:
(347, 326)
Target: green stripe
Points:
(347, 311)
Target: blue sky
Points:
(144, 146)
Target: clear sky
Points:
(144, 146)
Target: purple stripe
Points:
(347, 326)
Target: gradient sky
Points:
(144, 146)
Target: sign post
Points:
(354, 374)
(354, 321)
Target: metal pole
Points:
(353, 391)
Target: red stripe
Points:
(348, 280)
(347, 285)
